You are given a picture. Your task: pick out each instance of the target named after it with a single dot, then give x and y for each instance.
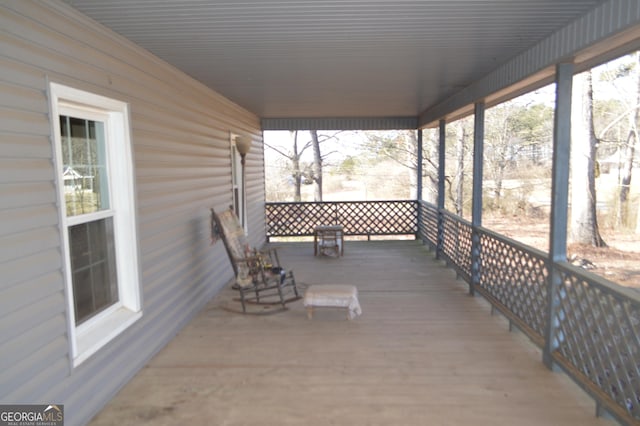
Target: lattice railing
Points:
(514, 277)
(595, 327)
(456, 247)
(357, 217)
(428, 226)
(597, 338)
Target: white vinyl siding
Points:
(182, 162)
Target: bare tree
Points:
(305, 173)
(294, 157)
(514, 137)
(497, 144)
(629, 152)
(584, 221)
(431, 145)
(384, 151)
(317, 166)
(459, 178)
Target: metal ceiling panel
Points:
(335, 58)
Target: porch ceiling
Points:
(335, 58)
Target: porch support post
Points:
(419, 183)
(441, 156)
(559, 205)
(419, 167)
(476, 208)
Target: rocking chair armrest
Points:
(269, 254)
(247, 259)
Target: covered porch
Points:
(423, 352)
(185, 80)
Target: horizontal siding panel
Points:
(22, 194)
(174, 201)
(29, 267)
(157, 295)
(28, 369)
(156, 270)
(23, 122)
(149, 188)
(23, 98)
(184, 160)
(56, 63)
(160, 298)
(21, 295)
(21, 244)
(151, 171)
(152, 137)
(184, 203)
(19, 321)
(22, 75)
(160, 232)
(149, 150)
(183, 116)
(25, 146)
(176, 211)
(15, 352)
(27, 218)
(55, 372)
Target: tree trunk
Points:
(625, 178)
(296, 172)
(501, 148)
(317, 166)
(462, 135)
(410, 140)
(629, 157)
(431, 168)
(584, 222)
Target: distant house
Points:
(613, 162)
(73, 181)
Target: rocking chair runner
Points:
(259, 277)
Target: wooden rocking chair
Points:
(259, 277)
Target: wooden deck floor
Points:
(423, 353)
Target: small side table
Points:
(328, 237)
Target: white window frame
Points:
(94, 333)
(238, 187)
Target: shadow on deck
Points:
(423, 352)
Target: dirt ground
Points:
(618, 262)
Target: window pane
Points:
(93, 267)
(84, 165)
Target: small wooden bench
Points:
(333, 296)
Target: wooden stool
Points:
(333, 296)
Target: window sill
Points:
(102, 331)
